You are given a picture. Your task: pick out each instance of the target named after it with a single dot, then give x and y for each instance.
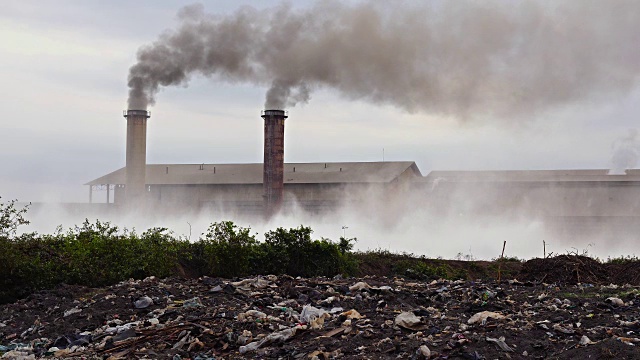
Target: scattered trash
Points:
(564, 329)
(276, 337)
(501, 344)
(482, 317)
(143, 302)
(359, 286)
(195, 302)
(615, 301)
(409, 320)
(584, 340)
(270, 317)
(313, 316)
(71, 312)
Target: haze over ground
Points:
(65, 64)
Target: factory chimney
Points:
(136, 155)
(273, 167)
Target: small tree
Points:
(11, 218)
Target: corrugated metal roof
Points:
(305, 173)
(597, 175)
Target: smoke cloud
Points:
(626, 151)
(454, 58)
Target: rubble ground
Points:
(547, 314)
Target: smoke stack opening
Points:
(136, 162)
(273, 166)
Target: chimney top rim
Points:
(145, 113)
(275, 112)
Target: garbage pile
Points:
(280, 317)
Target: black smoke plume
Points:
(455, 58)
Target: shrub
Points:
(228, 250)
(293, 252)
(11, 218)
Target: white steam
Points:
(626, 151)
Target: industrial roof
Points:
(592, 175)
(294, 173)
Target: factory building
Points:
(314, 187)
(560, 196)
(534, 193)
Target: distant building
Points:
(314, 187)
(537, 193)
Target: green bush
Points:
(416, 269)
(293, 252)
(99, 254)
(227, 250)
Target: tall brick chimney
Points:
(273, 167)
(135, 188)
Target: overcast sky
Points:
(64, 68)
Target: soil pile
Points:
(566, 269)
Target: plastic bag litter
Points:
(251, 313)
(483, 316)
(18, 355)
(313, 316)
(72, 311)
(143, 302)
(409, 320)
(501, 344)
(584, 340)
(614, 301)
(359, 286)
(258, 283)
(193, 302)
(279, 336)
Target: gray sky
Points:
(64, 68)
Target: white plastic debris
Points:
(409, 320)
(359, 286)
(385, 288)
(501, 344)
(313, 316)
(482, 317)
(72, 311)
(615, 301)
(584, 340)
(279, 336)
(143, 302)
(258, 283)
(256, 314)
(18, 355)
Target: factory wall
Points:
(248, 198)
(532, 199)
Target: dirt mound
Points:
(565, 269)
(628, 273)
